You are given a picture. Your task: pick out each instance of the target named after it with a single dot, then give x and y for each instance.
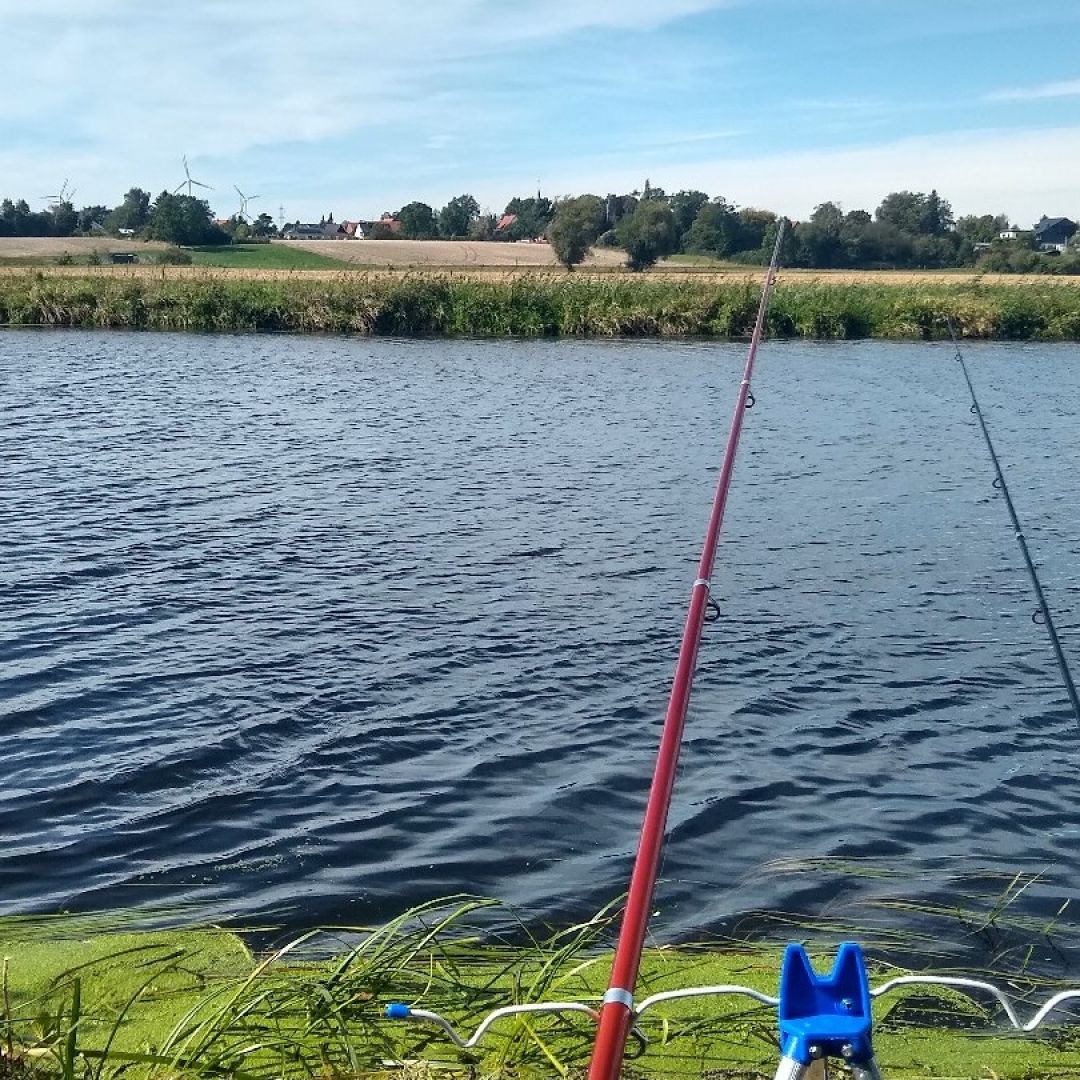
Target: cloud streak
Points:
(1045, 92)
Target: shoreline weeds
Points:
(196, 1003)
(546, 304)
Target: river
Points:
(311, 629)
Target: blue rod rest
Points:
(829, 1012)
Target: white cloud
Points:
(363, 106)
(1045, 92)
(1022, 173)
(117, 90)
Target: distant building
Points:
(386, 228)
(302, 232)
(1054, 234)
(329, 230)
(1011, 233)
(505, 222)
(354, 230)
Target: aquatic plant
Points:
(532, 305)
(87, 998)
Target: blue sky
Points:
(357, 107)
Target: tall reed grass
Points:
(426, 304)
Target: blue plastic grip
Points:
(398, 1012)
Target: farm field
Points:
(446, 253)
(483, 261)
(330, 259)
(313, 254)
(52, 247)
(264, 257)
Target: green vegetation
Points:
(577, 224)
(648, 233)
(539, 305)
(183, 219)
(907, 230)
(86, 1000)
(264, 257)
(457, 217)
(418, 222)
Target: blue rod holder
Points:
(830, 1013)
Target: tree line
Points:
(171, 217)
(906, 230)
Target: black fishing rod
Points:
(999, 483)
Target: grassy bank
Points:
(541, 305)
(263, 257)
(85, 1001)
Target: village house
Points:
(1054, 234)
(328, 230)
(387, 227)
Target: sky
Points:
(355, 107)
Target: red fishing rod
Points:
(616, 1013)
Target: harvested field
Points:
(50, 247)
(470, 259)
(445, 254)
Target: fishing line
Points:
(1042, 615)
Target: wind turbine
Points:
(244, 200)
(189, 183)
(63, 196)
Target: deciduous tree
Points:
(418, 221)
(91, 217)
(685, 206)
(183, 219)
(482, 227)
(533, 217)
(916, 213)
(648, 234)
(263, 227)
(981, 228)
(133, 213)
(457, 215)
(575, 227)
(714, 231)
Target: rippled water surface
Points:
(313, 629)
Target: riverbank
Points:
(87, 997)
(536, 305)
